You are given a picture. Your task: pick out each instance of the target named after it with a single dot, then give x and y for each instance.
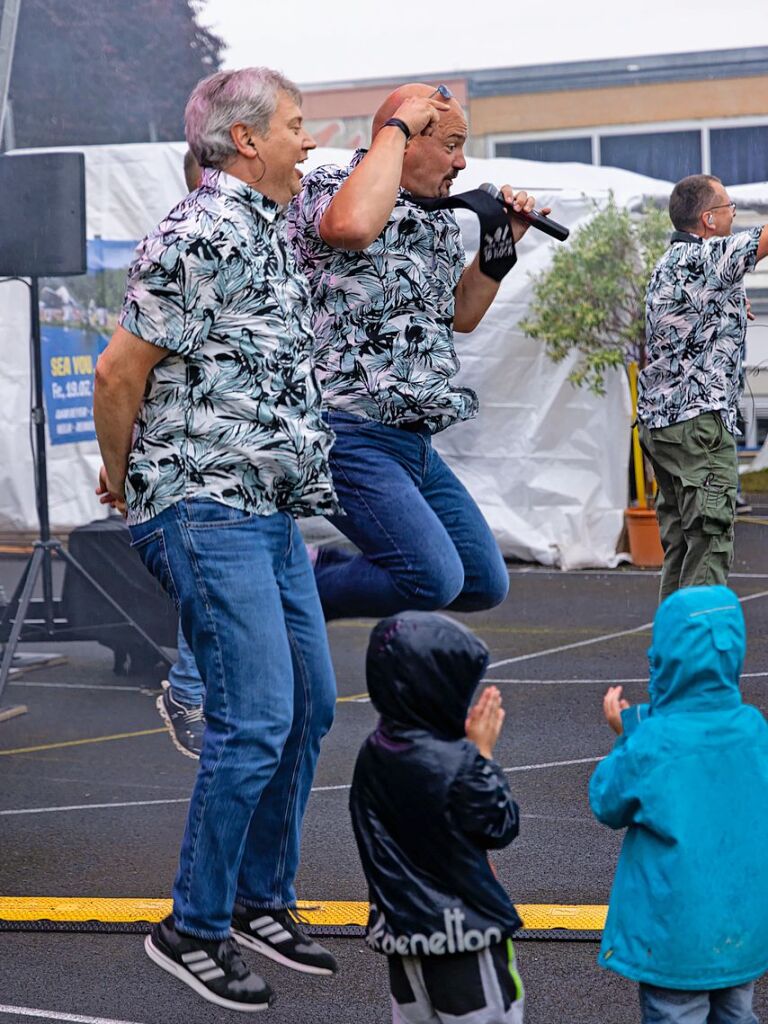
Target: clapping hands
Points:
(484, 721)
(613, 705)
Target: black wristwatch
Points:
(397, 123)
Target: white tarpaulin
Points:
(548, 463)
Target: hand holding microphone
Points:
(527, 215)
(501, 225)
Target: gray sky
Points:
(336, 40)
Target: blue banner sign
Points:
(77, 316)
(69, 363)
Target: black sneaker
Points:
(276, 934)
(214, 968)
(185, 724)
(742, 505)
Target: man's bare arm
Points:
(358, 212)
(474, 294)
(121, 376)
(762, 245)
(475, 291)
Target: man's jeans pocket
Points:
(150, 547)
(207, 514)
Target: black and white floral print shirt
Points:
(233, 412)
(696, 321)
(383, 316)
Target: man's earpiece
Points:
(711, 220)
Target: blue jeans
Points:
(717, 1006)
(424, 542)
(248, 602)
(186, 684)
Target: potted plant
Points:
(591, 300)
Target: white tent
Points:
(547, 462)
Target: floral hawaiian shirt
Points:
(696, 321)
(383, 316)
(232, 413)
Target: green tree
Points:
(592, 297)
(100, 71)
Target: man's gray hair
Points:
(248, 96)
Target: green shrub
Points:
(592, 296)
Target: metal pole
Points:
(8, 24)
(38, 420)
(637, 453)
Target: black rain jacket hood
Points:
(426, 806)
(422, 670)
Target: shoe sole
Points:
(262, 947)
(169, 965)
(160, 705)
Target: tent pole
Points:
(8, 24)
(637, 453)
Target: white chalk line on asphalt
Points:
(553, 764)
(595, 682)
(570, 647)
(81, 686)
(596, 639)
(315, 789)
(545, 570)
(77, 1018)
(96, 807)
(346, 786)
(566, 682)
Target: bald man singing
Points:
(390, 288)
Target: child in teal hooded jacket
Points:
(688, 779)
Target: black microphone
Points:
(534, 218)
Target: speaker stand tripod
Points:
(49, 623)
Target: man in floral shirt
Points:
(389, 287)
(208, 418)
(689, 390)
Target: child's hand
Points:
(485, 720)
(613, 705)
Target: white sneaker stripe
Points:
(196, 954)
(282, 936)
(258, 922)
(204, 965)
(210, 975)
(270, 929)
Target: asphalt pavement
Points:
(96, 808)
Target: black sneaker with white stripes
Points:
(215, 969)
(276, 934)
(185, 723)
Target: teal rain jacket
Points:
(688, 779)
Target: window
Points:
(739, 155)
(736, 152)
(666, 155)
(548, 150)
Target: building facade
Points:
(664, 116)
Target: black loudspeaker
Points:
(103, 549)
(43, 215)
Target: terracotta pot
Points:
(644, 539)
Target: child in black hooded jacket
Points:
(427, 802)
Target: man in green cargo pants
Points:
(689, 390)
